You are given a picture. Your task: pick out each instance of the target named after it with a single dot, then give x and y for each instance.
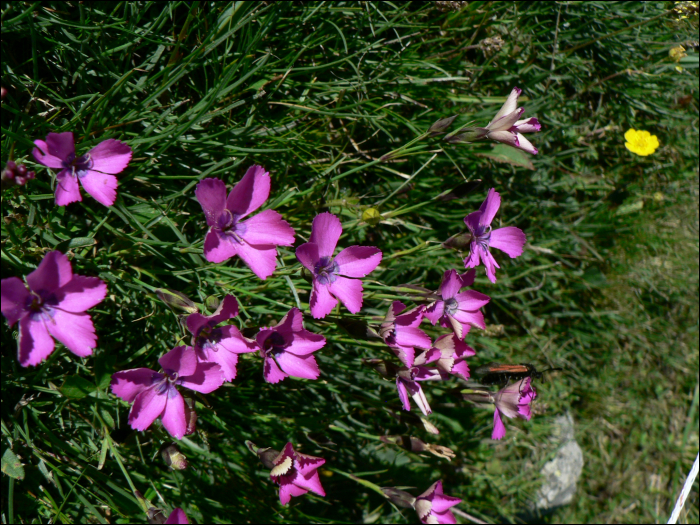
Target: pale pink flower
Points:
(254, 240)
(433, 506)
(330, 276)
(221, 344)
(288, 349)
(455, 309)
(154, 395)
(94, 170)
(510, 239)
(513, 400)
(407, 381)
(507, 128)
(453, 355)
(54, 306)
(401, 333)
(296, 474)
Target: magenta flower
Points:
(329, 285)
(508, 129)
(287, 349)
(177, 517)
(219, 345)
(512, 401)
(296, 474)
(401, 332)
(54, 306)
(154, 395)
(509, 239)
(459, 310)
(254, 240)
(407, 381)
(433, 506)
(453, 355)
(95, 170)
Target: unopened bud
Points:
(212, 303)
(440, 126)
(371, 216)
(190, 415)
(266, 455)
(467, 135)
(398, 497)
(382, 367)
(155, 516)
(458, 242)
(173, 457)
(177, 300)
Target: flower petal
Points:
(81, 294)
(489, 207)
(509, 105)
(307, 255)
(307, 465)
(528, 125)
(349, 292)
(147, 407)
(325, 231)
(499, 429)
(467, 317)
(102, 187)
(181, 360)
(509, 240)
(443, 502)
(525, 144)
(218, 248)
(296, 366)
(406, 354)
(471, 300)
(14, 299)
(291, 322)
(272, 372)
(67, 189)
(211, 194)
(127, 384)
(35, 343)
(206, 378)
(268, 227)
(490, 264)
(173, 416)
(250, 193)
(403, 394)
(434, 311)
(57, 148)
(227, 361)
(75, 331)
(110, 156)
(53, 272)
(305, 342)
(261, 259)
(311, 483)
(42, 156)
(411, 336)
(461, 369)
(288, 490)
(177, 517)
(358, 261)
(472, 221)
(451, 283)
(321, 302)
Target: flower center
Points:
(228, 224)
(274, 344)
(209, 338)
(451, 306)
(326, 270)
(78, 166)
(482, 236)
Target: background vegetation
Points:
(316, 92)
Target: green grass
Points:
(317, 92)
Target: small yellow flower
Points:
(641, 142)
(676, 53)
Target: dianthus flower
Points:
(455, 309)
(513, 400)
(95, 170)
(223, 344)
(433, 506)
(641, 142)
(509, 239)
(453, 356)
(154, 394)
(288, 348)
(401, 332)
(329, 285)
(254, 240)
(296, 474)
(54, 306)
(407, 381)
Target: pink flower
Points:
(154, 395)
(401, 332)
(254, 240)
(407, 381)
(434, 507)
(223, 344)
(512, 401)
(287, 349)
(54, 306)
(296, 474)
(509, 239)
(328, 283)
(95, 170)
(459, 310)
(508, 129)
(177, 517)
(453, 355)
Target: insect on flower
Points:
(501, 374)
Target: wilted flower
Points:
(14, 175)
(509, 239)
(287, 349)
(433, 506)
(296, 474)
(95, 170)
(407, 381)
(254, 240)
(458, 310)
(641, 142)
(155, 395)
(401, 332)
(453, 355)
(330, 276)
(54, 306)
(223, 344)
(513, 400)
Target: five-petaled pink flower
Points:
(407, 380)
(288, 349)
(155, 395)
(254, 240)
(330, 276)
(296, 474)
(401, 332)
(54, 306)
(223, 344)
(455, 309)
(513, 400)
(95, 170)
(433, 506)
(453, 355)
(508, 129)
(509, 239)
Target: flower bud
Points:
(467, 135)
(266, 455)
(173, 457)
(398, 497)
(371, 216)
(176, 300)
(440, 126)
(190, 415)
(459, 241)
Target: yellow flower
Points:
(676, 53)
(641, 142)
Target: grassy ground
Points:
(317, 93)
